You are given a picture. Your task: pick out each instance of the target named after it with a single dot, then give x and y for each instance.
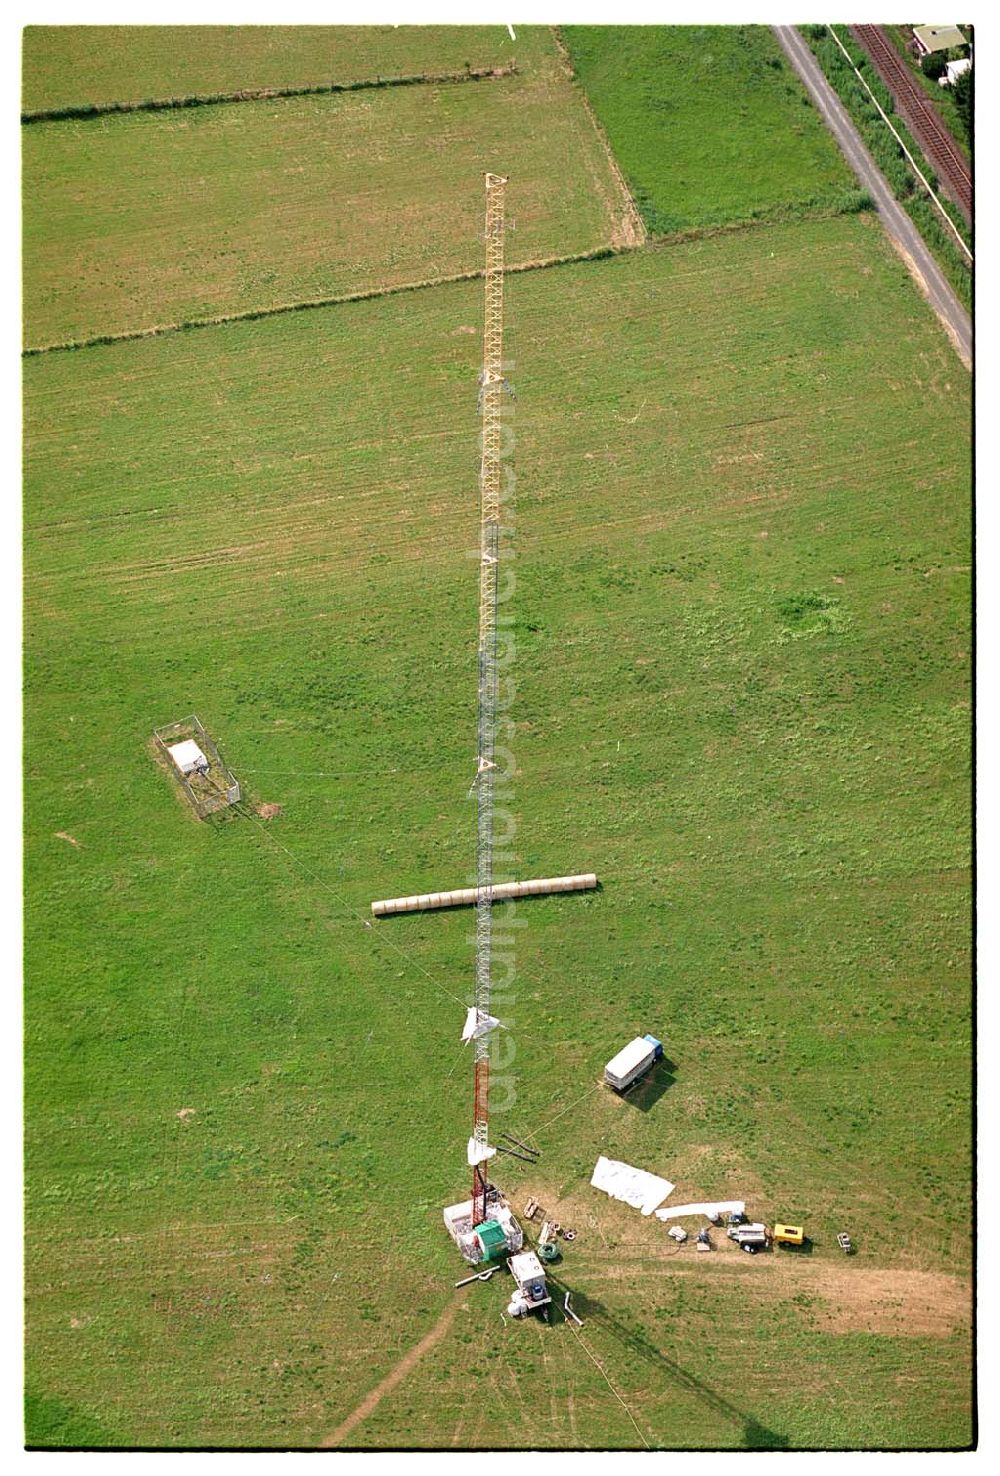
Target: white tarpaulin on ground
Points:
(479, 1152)
(718, 1207)
(474, 1027)
(643, 1191)
(188, 756)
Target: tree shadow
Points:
(753, 1435)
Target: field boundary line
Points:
(635, 231)
(851, 202)
(83, 111)
(396, 1375)
(367, 294)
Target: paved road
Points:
(903, 233)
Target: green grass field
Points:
(66, 66)
(709, 123)
(156, 218)
(743, 548)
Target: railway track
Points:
(900, 228)
(953, 169)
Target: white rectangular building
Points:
(937, 38)
(188, 757)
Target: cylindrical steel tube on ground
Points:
(502, 892)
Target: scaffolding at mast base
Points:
(496, 1235)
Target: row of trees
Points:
(935, 65)
(963, 92)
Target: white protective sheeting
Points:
(718, 1207)
(501, 892)
(642, 1190)
(474, 1027)
(188, 756)
(479, 1152)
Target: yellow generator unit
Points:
(788, 1235)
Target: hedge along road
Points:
(903, 233)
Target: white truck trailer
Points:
(632, 1061)
(532, 1292)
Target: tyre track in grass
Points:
(406, 1365)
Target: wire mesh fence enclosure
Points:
(196, 766)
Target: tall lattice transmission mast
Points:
(491, 393)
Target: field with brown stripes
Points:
(146, 219)
(70, 66)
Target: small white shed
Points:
(953, 71)
(188, 757)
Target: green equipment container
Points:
(491, 1238)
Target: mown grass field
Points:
(66, 66)
(709, 123)
(145, 219)
(742, 565)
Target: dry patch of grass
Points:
(894, 1302)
